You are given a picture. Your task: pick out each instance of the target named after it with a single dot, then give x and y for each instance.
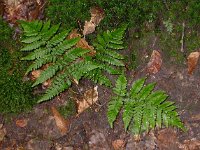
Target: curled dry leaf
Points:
(61, 123)
(89, 27)
(21, 123)
(2, 132)
(90, 97)
(97, 14)
(155, 62)
(192, 61)
(118, 144)
(82, 43)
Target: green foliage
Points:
(143, 108)
(66, 63)
(15, 94)
(107, 57)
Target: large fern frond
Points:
(143, 108)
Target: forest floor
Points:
(37, 130)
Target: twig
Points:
(182, 37)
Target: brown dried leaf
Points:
(155, 62)
(23, 10)
(97, 14)
(192, 61)
(90, 97)
(89, 27)
(118, 144)
(82, 43)
(21, 123)
(61, 123)
(2, 132)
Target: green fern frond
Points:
(114, 107)
(120, 86)
(47, 74)
(45, 45)
(97, 77)
(60, 83)
(143, 108)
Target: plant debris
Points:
(155, 62)
(89, 98)
(192, 61)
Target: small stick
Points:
(182, 38)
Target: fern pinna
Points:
(143, 108)
(107, 56)
(46, 46)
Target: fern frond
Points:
(109, 60)
(47, 74)
(128, 113)
(97, 76)
(60, 83)
(33, 46)
(114, 107)
(136, 87)
(40, 62)
(58, 38)
(78, 70)
(65, 45)
(144, 109)
(145, 91)
(120, 86)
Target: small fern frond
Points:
(136, 87)
(120, 86)
(114, 107)
(60, 83)
(40, 62)
(78, 70)
(58, 38)
(144, 109)
(97, 76)
(109, 60)
(65, 45)
(128, 113)
(47, 74)
(145, 91)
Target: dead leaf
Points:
(82, 43)
(89, 27)
(23, 10)
(21, 123)
(155, 62)
(97, 14)
(90, 97)
(192, 61)
(2, 132)
(118, 144)
(61, 123)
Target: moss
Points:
(68, 109)
(15, 94)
